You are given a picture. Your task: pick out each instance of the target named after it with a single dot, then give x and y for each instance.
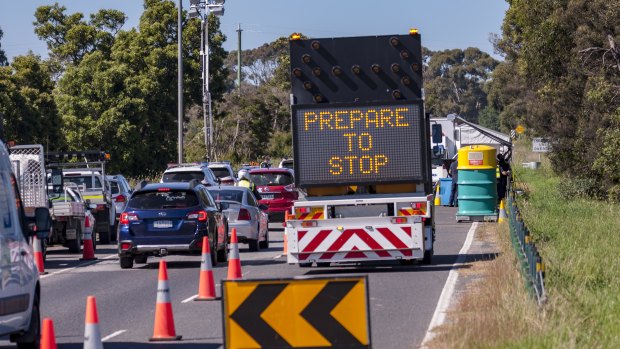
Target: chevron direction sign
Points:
(296, 313)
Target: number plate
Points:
(267, 196)
(162, 224)
(71, 234)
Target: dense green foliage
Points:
(561, 78)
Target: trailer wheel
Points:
(76, 245)
(104, 236)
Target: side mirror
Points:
(58, 181)
(42, 222)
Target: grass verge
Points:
(579, 242)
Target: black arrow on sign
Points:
(317, 313)
(248, 316)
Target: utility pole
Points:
(239, 55)
(180, 86)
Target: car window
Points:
(206, 197)
(86, 181)
(157, 200)
(272, 179)
(7, 218)
(115, 188)
(228, 195)
(210, 174)
(220, 172)
(183, 176)
(251, 199)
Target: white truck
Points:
(361, 152)
(88, 175)
(66, 212)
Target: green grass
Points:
(579, 241)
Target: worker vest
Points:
(245, 183)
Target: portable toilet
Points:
(477, 183)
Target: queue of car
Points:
(201, 199)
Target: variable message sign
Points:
(359, 143)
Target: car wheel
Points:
(253, 245)
(126, 262)
(222, 255)
(76, 244)
(265, 244)
(31, 339)
(214, 252)
(141, 259)
(113, 232)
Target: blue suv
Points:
(171, 218)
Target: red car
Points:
(276, 187)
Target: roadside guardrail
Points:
(532, 265)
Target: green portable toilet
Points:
(477, 183)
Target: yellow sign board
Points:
(296, 313)
(520, 129)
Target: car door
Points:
(17, 270)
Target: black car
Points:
(171, 218)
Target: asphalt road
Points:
(402, 298)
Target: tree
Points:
(454, 82)
(3, 60)
(69, 38)
(563, 55)
(26, 101)
(126, 101)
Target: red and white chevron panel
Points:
(324, 244)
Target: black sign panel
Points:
(356, 69)
(359, 143)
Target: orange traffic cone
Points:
(163, 329)
(206, 286)
(88, 253)
(48, 338)
(38, 255)
(92, 333)
(234, 263)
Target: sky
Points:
(443, 24)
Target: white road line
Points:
(194, 296)
(117, 333)
(190, 299)
(439, 317)
(277, 257)
(85, 264)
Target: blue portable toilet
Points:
(445, 190)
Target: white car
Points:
(189, 172)
(20, 291)
(224, 172)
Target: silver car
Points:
(244, 214)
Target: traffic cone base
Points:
(163, 329)
(234, 263)
(48, 338)
(502, 212)
(88, 252)
(92, 333)
(206, 287)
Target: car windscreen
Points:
(115, 188)
(183, 176)
(86, 181)
(227, 195)
(157, 200)
(220, 172)
(272, 179)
